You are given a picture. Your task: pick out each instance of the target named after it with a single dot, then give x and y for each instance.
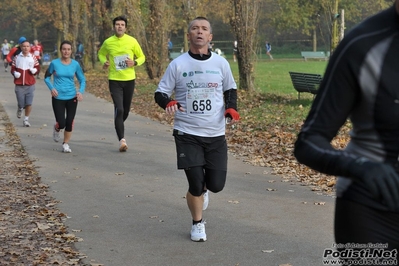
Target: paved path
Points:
(130, 206)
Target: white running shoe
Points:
(19, 112)
(198, 232)
(122, 145)
(206, 201)
(26, 123)
(56, 135)
(65, 148)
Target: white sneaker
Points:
(198, 232)
(56, 135)
(65, 148)
(19, 113)
(122, 145)
(26, 123)
(206, 201)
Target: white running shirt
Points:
(5, 48)
(198, 86)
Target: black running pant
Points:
(356, 223)
(122, 95)
(62, 108)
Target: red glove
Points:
(233, 114)
(173, 102)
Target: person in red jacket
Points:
(37, 50)
(24, 66)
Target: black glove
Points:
(380, 179)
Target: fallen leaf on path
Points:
(268, 250)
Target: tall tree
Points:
(156, 46)
(244, 22)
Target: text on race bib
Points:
(120, 62)
(199, 101)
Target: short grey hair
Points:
(199, 18)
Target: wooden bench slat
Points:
(305, 82)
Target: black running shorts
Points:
(209, 152)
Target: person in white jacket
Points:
(24, 66)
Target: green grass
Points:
(278, 102)
(275, 101)
(271, 76)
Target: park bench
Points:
(305, 82)
(314, 55)
(174, 55)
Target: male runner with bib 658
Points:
(206, 94)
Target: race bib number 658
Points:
(199, 101)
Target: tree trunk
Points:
(314, 40)
(342, 25)
(244, 22)
(157, 52)
(65, 17)
(334, 31)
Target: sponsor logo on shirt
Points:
(192, 73)
(193, 85)
(212, 72)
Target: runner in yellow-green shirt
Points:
(119, 54)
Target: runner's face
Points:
(120, 28)
(66, 50)
(25, 47)
(200, 34)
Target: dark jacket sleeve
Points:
(334, 103)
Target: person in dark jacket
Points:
(361, 83)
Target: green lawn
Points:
(271, 76)
(275, 101)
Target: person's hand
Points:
(380, 179)
(106, 65)
(232, 114)
(172, 107)
(129, 62)
(33, 70)
(17, 74)
(54, 93)
(79, 96)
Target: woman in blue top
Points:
(64, 94)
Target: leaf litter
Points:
(32, 230)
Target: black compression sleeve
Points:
(162, 99)
(47, 74)
(230, 99)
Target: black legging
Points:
(60, 107)
(198, 178)
(122, 95)
(360, 224)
